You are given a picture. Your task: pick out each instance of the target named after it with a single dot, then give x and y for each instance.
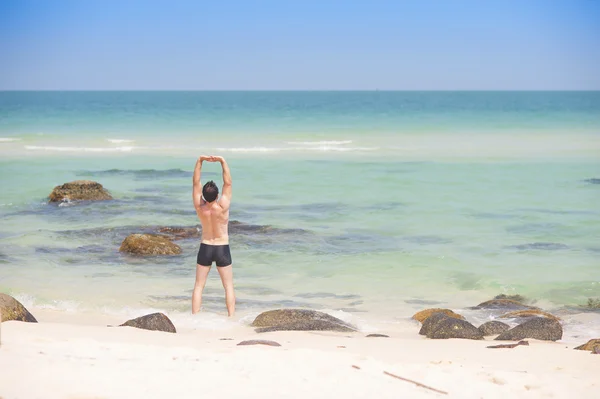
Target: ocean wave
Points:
(319, 148)
(8, 139)
(118, 141)
(319, 143)
(78, 149)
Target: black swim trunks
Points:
(214, 253)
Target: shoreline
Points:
(69, 356)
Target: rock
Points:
(537, 328)
(79, 190)
(516, 297)
(299, 320)
(259, 342)
(493, 328)
(529, 313)
(503, 304)
(154, 322)
(593, 303)
(449, 327)
(424, 314)
(431, 323)
(179, 233)
(149, 244)
(11, 309)
(377, 336)
(591, 345)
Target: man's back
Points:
(214, 220)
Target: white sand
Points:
(64, 357)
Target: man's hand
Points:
(204, 158)
(216, 158)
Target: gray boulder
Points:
(431, 323)
(11, 309)
(493, 328)
(503, 304)
(537, 328)
(299, 320)
(450, 327)
(154, 322)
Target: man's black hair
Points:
(210, 191)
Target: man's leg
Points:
(201, 274)
(226, 273)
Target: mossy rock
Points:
(529, 313)
(424, 314)
(515, 297)
(179, 233)
(431, 323)
(592, 345)
(299, 320)
(79, 190)
(149, 244)
(12, 309)
(493, 327)
(153, 322)
(537, 328)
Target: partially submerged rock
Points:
(259, 342)
(592, 303)
(154, 322)
(299, 320)
(449, 327)
(591, 345)
(503, 304)
(424, 314)
(179, 233)
(493, 327)
(528, 313)
(537, 328)
(149, 244)
(79, 190)
(12, 309)
(515, 297)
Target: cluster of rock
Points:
(537, 324)
(79, 190)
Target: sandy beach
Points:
(73, 356)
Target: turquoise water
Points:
(380, 203)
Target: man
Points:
(214, 246)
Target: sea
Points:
(367, 205)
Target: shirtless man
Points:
(214, 247)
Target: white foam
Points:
(252, 149)
(320, 143)
(8, 139)
(78, 149)
(118, 141)
(315, 148)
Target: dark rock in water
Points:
(299, 320)
(259, 342)
(449, 327)
(493, 328)
(593, 181)
(424, 314)
(529, 313)
(154, 322)
(592, 303)
(377, 336)
(79, 190)
(431, 323)
(179, 233)
(516, 297)
(591, 345)
(537, 328)
(546, 246)
(11, 309)
(149, 244)
(503, 304)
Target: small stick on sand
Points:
(415, 382)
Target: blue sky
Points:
(305, 45)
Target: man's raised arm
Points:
(226, 192)
(196, 183)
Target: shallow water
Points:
(374, 205)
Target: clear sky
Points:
(303, 44)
